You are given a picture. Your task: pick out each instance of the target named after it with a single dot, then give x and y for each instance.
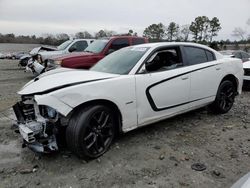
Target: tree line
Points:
(50, 39)
(200, 30)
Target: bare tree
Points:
(184, 33)
(239, 33)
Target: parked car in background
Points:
(23, 61)
(95, 52)
(8, 56)
(77, 45)
(18, 55)
(244, 56)
(246, 67)
(130, 88)
(2, 56)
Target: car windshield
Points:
(121, 61)
(64, 45)
(96, 46)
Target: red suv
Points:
(96, 51)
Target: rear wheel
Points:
(91, 131)
(225, 97)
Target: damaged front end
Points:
(37, 125)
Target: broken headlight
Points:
(52, 64)
(48, 113)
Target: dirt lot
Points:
(159, 155)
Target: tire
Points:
(91, 131)
(224, 98)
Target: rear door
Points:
(205, 75)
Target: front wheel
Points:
(91, 131)
(225, 98)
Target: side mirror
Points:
(72, 49)
(110, 51)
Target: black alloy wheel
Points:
(224, 98)
(91, 131)
(99, 132)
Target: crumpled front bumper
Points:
(37, 135)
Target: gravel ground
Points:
(159, 155)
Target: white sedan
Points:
(130, 88)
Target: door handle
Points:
(184, 77)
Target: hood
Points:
(246, 65)
(61, 78)
(42, 48)
(74, 55)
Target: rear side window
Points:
(119, 43)
(238, 55)
(136, 41)
(195, 55)
(245, 55)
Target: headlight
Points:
(52, 64)
(58, 62)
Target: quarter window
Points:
(197, 55)
(210, 56)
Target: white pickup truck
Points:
(69, 46)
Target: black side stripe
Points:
(151, 101)
(66, 85)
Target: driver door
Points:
(162, 90)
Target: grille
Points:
(28, 109)
(247, 72)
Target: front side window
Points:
(79, 46)
(118, 44)
(195, 55)
(97, 46)
(64, 45)
(121, 61)
(163, 60)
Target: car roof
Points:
(160, 44)
(84, 39)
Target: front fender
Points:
(55, 103)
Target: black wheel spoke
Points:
(92, 143)
(89, 136)
(102, 116)
(105, 121)
(100, 132)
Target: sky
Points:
(28, 17)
